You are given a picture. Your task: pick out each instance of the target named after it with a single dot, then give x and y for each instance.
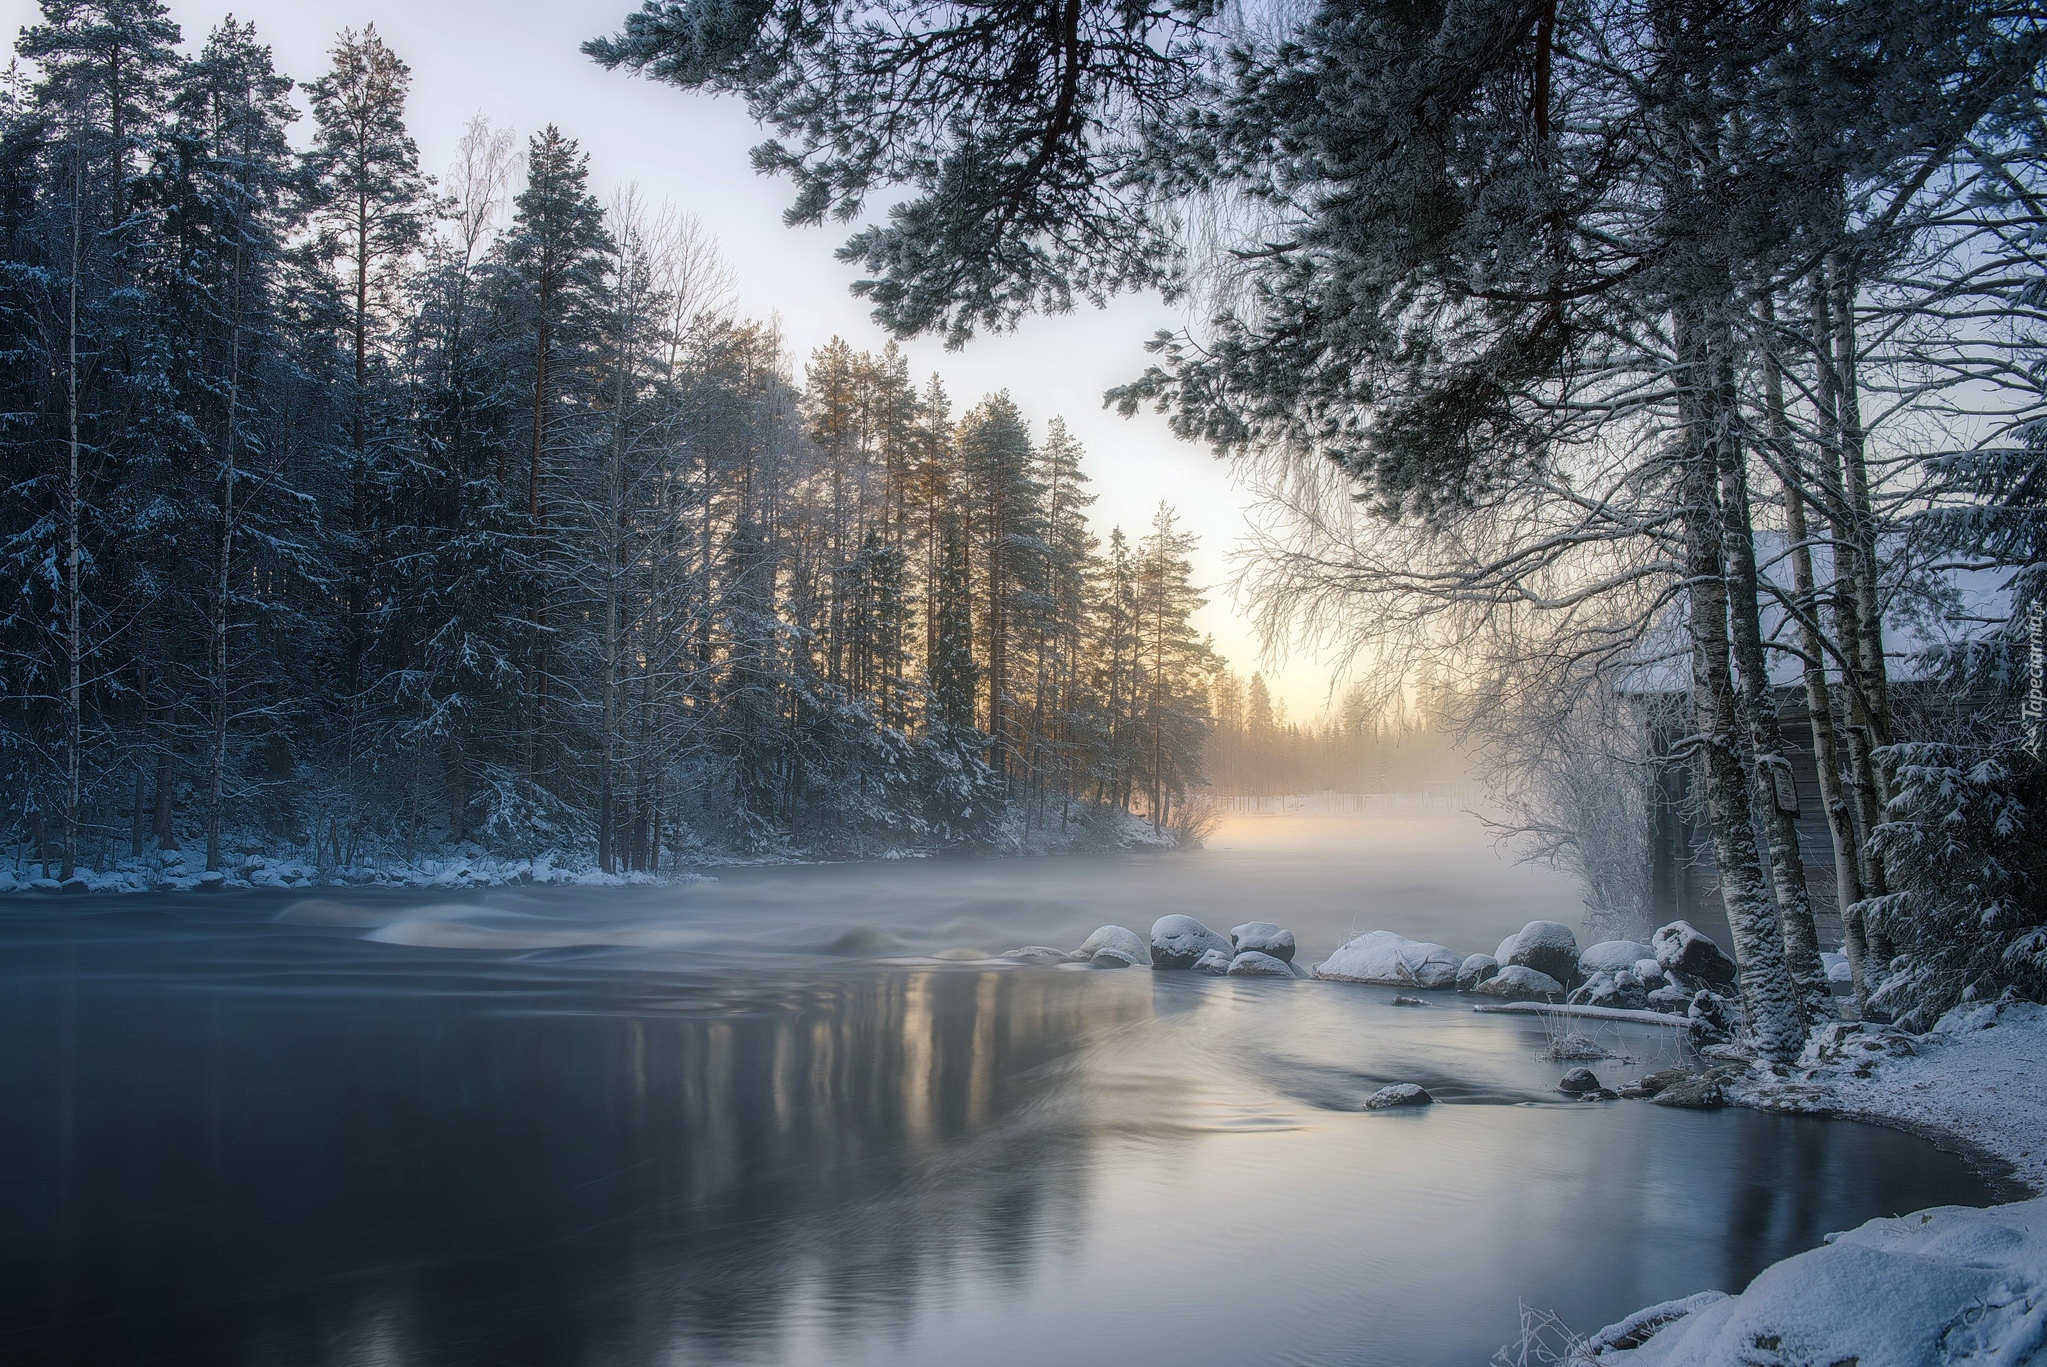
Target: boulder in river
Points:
(1252, 964)
(1265, 938)
(1475, 970)
(1614, 956)
(1037, 954)
(1705, 1092)
(1545, 946)
(1180, 941)
(1216, 961)
(1398, 1095)
(1620, 991)
(1113, 947)
(1519, 983)
(1409, 1001)
(1391, 960)
(1682, 949)
(1579, 1081)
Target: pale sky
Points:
(517, 62)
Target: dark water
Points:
(754, 1122)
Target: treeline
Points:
(1367, 744)
(362, 513)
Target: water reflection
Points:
(229, 1139)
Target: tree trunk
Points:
(1768, 993)
(1819, 701)
(1773, 788)
(74, 702)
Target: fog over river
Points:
(756, 1120)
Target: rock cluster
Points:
(1256, 949)
(1680, 972)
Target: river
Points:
(758, 1120)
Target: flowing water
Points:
(758, 1120)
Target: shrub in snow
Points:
(1965, 843)
(1545, 946)
(1180, 941)
(1266, 938)
(1390, 959)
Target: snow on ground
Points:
(468, 866)
(1936, 1288)
(1979, 1077)
(1953, 1285)
(177, 871)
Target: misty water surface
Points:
(759, 1121)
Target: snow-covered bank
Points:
(1937, 1288)
(1977, 1080)
(178, 871)
(1951, 1285)
(470, 866)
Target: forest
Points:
(1670, 373)
(356, 511)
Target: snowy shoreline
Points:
(474, 867)
(1976, 1083)
(1951, 1285)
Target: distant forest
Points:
(1367, 744)
(362, 512)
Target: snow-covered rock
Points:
(1180, 941)
(1475, 970)
(1702, 1092)
(1651, 973)
(1264, 937)
(1682, 949)
(1113, 947)
(1399, 1094)
(1614, 956)
(1520, 983)
(1670, 999)
(1579, 1081)
(1938, 1288)
(1036, 954)
(1392, 960)
(1545, 946)
(1836, 966)
(1621, 991)
(1216, 961)
(1252, 964)
(1711, 1017)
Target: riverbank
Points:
(1976, 1082)
(255, 865)
(1948, 1285)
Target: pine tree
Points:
(552, 270)
(370, 215)
(1173, 663)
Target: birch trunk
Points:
(1772, 768)
(1768, 993)
(1819, 699)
